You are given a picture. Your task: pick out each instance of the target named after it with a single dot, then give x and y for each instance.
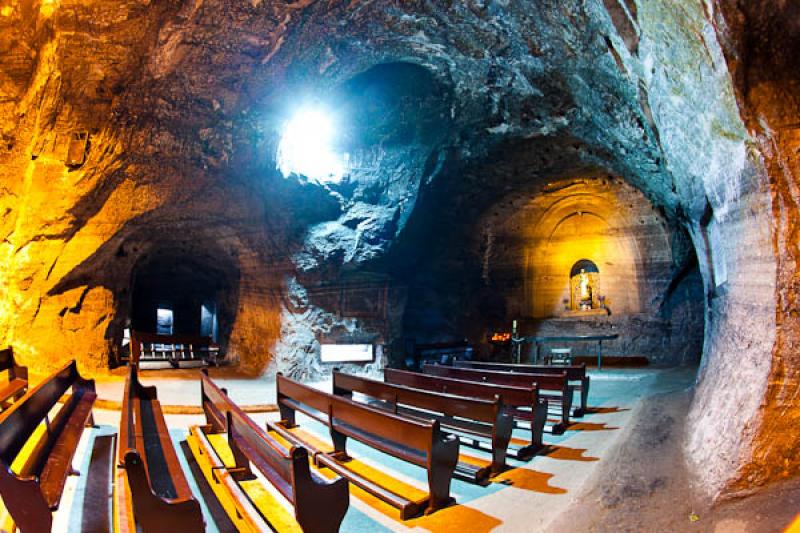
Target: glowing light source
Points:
(306, 148)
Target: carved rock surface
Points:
(454, 107)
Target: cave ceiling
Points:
(188, 99)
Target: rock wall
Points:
(454, 107)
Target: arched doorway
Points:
(175, 293)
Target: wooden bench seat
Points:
(159, 492)
(319, 504)
(418, 442)
(17, 383)
(477, 417)
(33, 491)
(523, 403)
(575, 374)
(554, 387)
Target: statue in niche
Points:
(584, 285)
(585, 290)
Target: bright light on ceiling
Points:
(306, 147)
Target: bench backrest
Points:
(161, 496)
(574, 372)
(127, 427)
(215, 403)
(144, 438)
(383, 431)
(543, 381)
(513, 396)
(262, 450)
(21, 419)
(447, 404)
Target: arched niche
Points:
(584, 283)
(571, 230)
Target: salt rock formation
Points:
(454, 106)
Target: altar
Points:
(540, 340)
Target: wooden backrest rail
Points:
(524, 397)
(552, 382)
(511, 396)
(549, 382)
(319, 504)
(483, 410)
(161, 496)
(574, 373)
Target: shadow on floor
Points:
(604, 410)
(564, 453)
(526, 479)
(590, 426)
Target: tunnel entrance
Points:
(185, 297)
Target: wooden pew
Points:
(524, 403)
(422, 443)
(319, 504)
(17, 383)
(160, 495)
(33, 489)
(475, 417)
(173, 349)
(575, 373)
(558, 387)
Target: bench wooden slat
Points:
(549, 382)
(576, 373)
(512, 397)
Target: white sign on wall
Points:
(346, 353)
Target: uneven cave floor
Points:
(619, 468)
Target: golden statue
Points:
(584, 290)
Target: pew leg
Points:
(582, 408)
(339, 445)
(440, 473)
(537, 424)
(500, 440)
(566, 407)
(288, 416)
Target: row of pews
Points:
(273, 476)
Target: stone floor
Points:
(528, 497)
